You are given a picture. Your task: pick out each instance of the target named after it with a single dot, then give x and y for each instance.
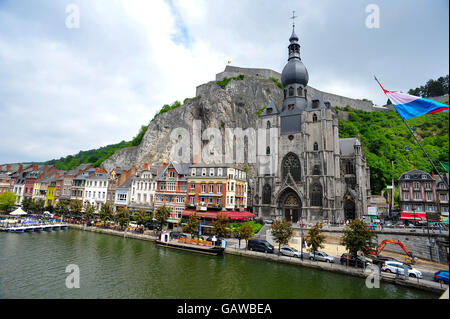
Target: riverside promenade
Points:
(233, 249)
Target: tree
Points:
(89, 210)
(27, 204)
(141, 216)
(75, 207)
(37, 206)
(61, 208)
(357, 236)
(106, 212)
(192, 224)
(245, 232)
(220, 225)
(122, 216)
(161, 215)
(315, 238)
(282, 232)
(7, 200)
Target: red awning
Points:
(233, 215)
(413, 216)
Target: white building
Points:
(96, 188)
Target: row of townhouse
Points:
(180, 187)
(423, 196)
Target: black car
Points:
(381, 259)
(352, 260)
(260, 245)
(177, 235)
(153, 225)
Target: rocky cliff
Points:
(235, 105)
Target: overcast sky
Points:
(65, 89)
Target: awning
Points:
(233, 215)
(413, 216)
(18, 212)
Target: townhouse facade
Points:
(96, 187)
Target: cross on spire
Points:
(293, 17)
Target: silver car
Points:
(321, 256)
(290, 251)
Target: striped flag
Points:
(409, 106)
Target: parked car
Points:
(132, 224)
(260, 245)
(381, 259)
(321, 256)
(152, 225)
(388, 224)
(398, 268)
(177, 235)
(352, 260)
(399, 225)
(290, 251)
(441, 276)
(268, 221)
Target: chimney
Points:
(35, 167)
(195, 159)
(8, 167)
(145, 165)
(20, 168)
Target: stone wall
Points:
(334, 99)
(416, 242)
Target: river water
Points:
(33, 265)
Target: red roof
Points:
(233, 215)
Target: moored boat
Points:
(198, 246)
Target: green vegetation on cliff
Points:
(384, 138)
(95, 156)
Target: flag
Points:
(409, 106)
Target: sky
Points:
(77, 75)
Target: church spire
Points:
(294, 47)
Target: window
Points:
(430, 208)
(267, 194)
(219, 188)
(210, 200)
(139, 197)
(316, 195)
(299, 91)
(407, 177)
(429, 195)
(192, 200)
(316, 170)
(405, 185)
(316, 146)
(193, 172)
(122, 197)
(416, 185)
(268, 124)
(315, 104)
(211, 172)
(171, 187)
(291, 91)
(291, 107)
(417, 195)
(172, 174)
(267, 150)
(203, 171)
(424, 176)
(202, 200)
(291, 165)
(314, 118)
(219, 172)
(406, 196)
(162, 186)
(192, 187)
(349, 168)
(442, 197)
(203, 188)
(145, 197)
(284, 93)
(211, 188)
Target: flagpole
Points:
(412, 133)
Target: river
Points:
(33, 265)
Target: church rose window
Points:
(291, 164)
(267, 194)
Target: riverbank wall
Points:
(356, 272)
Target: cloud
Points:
(64, 90)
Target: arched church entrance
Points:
(349, 209)
(290, 205)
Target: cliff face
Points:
(234, 106)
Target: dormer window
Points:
(314, 118)
(193, 172)
(407, 177)
(315, 104)
(291, 91)
(203, 171)
(269, 110)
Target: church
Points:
(306, 173)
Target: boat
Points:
(38, 228)
(30, 229)
(187, 244)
